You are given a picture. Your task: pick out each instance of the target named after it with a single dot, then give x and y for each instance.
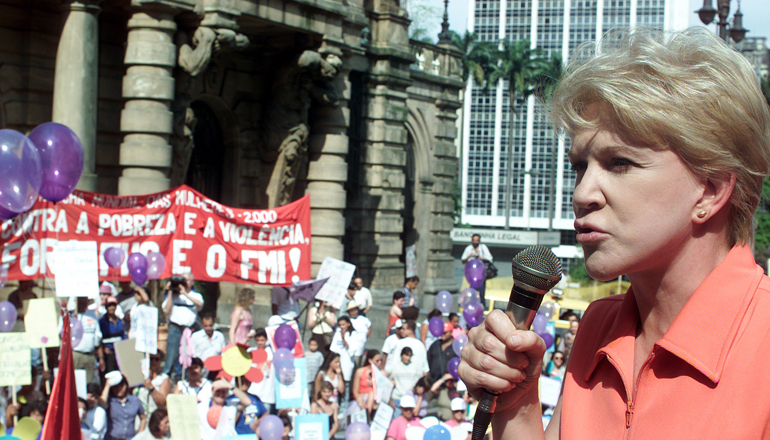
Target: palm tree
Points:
(477, 57)
(518, 63)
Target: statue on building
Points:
(308, 78)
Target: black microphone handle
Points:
(522, 308)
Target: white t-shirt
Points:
(206, 347)
(388, 346)
(355, 342)
(481, 252)
(202, 392)
(361, 324)
(405, 376)
(419, 354)
(184, 311)
(363, 298)
(265, 389)
(226, 425)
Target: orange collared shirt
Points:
(707, 378)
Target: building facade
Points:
(255, 103)
(534, 175)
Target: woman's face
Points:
(634, 206)
(406, 358)
(344, 326)
(335, 364)
(155, 363)
(194, 371)
(326, 394)
(219, 396)
(164, 426)
(558, 359)
(419, 390)
(400, 302)
(377, 361)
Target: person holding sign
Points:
(181, 306)
(324, 405)
(112, 331)
(159, 428)
(154, 391)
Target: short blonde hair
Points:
(687, 91)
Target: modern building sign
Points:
(506, 238)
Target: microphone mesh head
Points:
(538, 267)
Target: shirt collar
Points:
(704, 330)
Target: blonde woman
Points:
(241, 320)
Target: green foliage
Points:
(424, 17)
(548, 77)
(519, 64)
(577, 272)
(477, 57)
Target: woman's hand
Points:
(499, 357)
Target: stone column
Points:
(327, 173)
(148, 87)
(76, 79)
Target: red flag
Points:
(62, 420)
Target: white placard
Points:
(383, 384)
(411, 261)
(144, 321)
(550, 389)
(77, 268)
(339, 273)
(382, 418)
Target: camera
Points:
(176, 281)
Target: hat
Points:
(104, 288)
(275, 320)
(221, 384)
(111, 300)
(448, 327)
(457, 404)
(352, 305)
(407, 402)
(399, 323)
(467, 425)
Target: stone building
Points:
(255, 103)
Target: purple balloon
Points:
(7, 316)
(283, 357)
(137, 260)
(436, 326)
(452, 365)
(286, 374)
(547, 338)
(285, 337)
(538, 324)
(473, 313)
(139, 276)
(444, 301)
(475, 273)
(114, 257)
(459, 343)
(61, 159)
(6, 214)
(271, 428)
(76, 331)
(358, 431)
(468, 295)
(156, 262)
(20, 170)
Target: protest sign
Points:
(339, 273)
(383, 384)
(183, 417)
(193, 232)
(550, 389)
(382, 418)
(130, 361)
(15, 365)
(41, 321)
(78, 268)
(311, 427)
(144, 328)
(291, 396)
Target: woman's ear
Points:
(716, 194)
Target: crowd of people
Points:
(342, 370)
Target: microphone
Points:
(535, 271)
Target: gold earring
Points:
(701, 214)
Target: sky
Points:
(756, 15)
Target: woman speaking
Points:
(670, 146)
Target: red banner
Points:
(194, 233)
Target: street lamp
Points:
(707, 14)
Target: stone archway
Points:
(419, 185)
